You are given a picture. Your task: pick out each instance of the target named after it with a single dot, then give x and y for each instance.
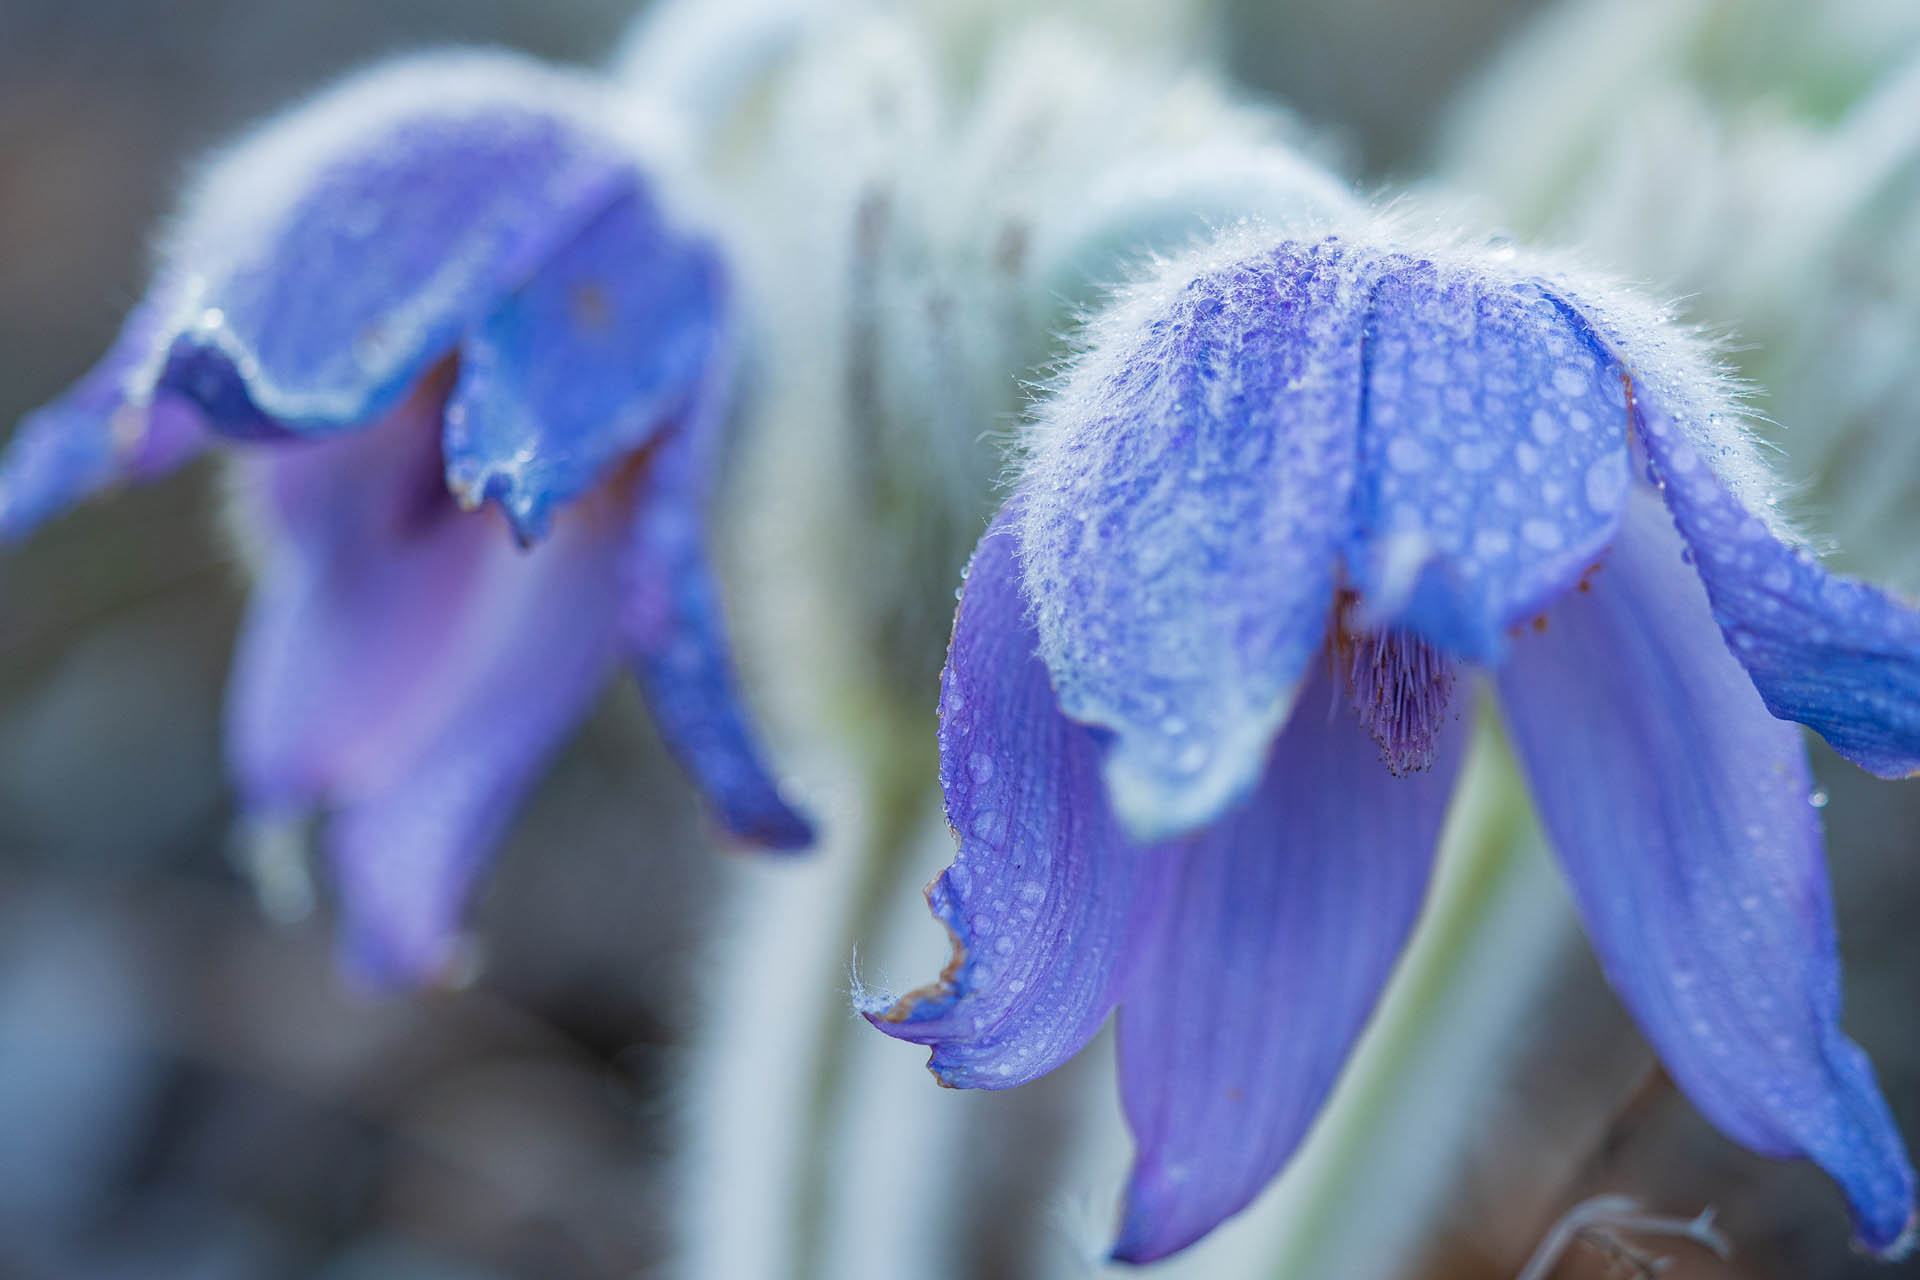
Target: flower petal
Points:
(1493, 455)
(366, 564)
(108, 428)
(1829, 651)
(1047, 898)
(346, 247)
(621, 330)
(1680, 810)
(1183, 512)
(405, 666)
(670, 622)
(535, 647)
(1285, 920)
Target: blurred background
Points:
(186, 1090)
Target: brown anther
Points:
(591, 310)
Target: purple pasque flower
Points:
(472, 366)
(1212, 675)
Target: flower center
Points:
(1399, 686)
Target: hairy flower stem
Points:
(899, 797)
(766, 1092)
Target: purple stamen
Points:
(1399, 686)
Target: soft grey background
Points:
(184, 1090)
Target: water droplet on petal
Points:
(990, 825)
(1543, 534)
(1606, 484)
(1406, 454)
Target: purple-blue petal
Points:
(620, 331)
(107, 429)
(675, 636)
(364, 564)
(1048, 900)
(1826, 650)
(1493, 455)
(421, 195)
(535, 648)
(409, 670)
(1680, 810)
(1285, 920)
(1183, 516)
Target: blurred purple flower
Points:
(436, 312)
(1204, 703)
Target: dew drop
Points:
(1818, 797)
(1543, 534)
(1473, 456)
(1406, 454)
(1606, 485)
(990, 825)
(980, 766)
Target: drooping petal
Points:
(346, 247)
(676, 640)
(1048, 901)
(1285, 920)
(407, 668)
(620, 331)
(536, 644)
(1493, 455)
(1184, 508)
(1835, 654)
(1679, 808)
(365, 564)
(108, 428)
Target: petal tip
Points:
(773, 827)
(474, 484)
(885, 1011)
(1149, 1229)
(1902, 1246)
(1888, 1237)
(379, 965)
